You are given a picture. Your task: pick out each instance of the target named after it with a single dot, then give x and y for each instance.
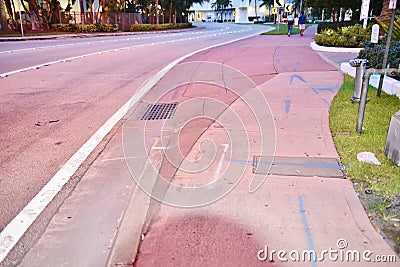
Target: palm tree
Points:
(255, 8)
(10, 10)
(386, 13)
(3, 20)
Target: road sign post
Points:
(280, 5)
(392, 6)
(364, 12)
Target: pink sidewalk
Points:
(288, 212)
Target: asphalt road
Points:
(55, 94)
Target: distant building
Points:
(239, 12)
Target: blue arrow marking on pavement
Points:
(326, 89)
(315, 90)
(287, 106)
(298, 77)
(307, 230)
(326, 101)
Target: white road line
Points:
(13, 232)
(92, 42)
(5, 74)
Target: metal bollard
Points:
(364, 92)
(361, 65)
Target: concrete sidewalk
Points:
(304, 204)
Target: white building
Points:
(240, 11)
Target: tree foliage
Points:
(44, 16)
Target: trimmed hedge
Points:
(374, 53)
(158, 27)
(351, 36)
(86, 27)
(335, 25)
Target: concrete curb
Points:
(126, 244)
(390, 85)
(319, 48)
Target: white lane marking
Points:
(5, 74)
(102, 41)
(13, 232)
(221, 161)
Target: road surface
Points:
(56, 93)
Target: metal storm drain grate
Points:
(161, 111)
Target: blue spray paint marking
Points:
(326, 101)
(244, 162)
(298, 77)
(315, 90)
(287, 106)
(326, 89)
(307, 230)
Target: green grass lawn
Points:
(383, 180)
(282, 30)
(33, 34)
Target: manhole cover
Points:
(299, 166)
(160, 111)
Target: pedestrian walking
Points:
(289, 23)
(302, 23)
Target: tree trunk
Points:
(10, 11)
(3, 20)
(386, 13)
(157, 17)
(82, 9)
(255, 9)
(170, 11)
(34, 11)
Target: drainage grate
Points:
(161, 111)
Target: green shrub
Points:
(334, 25)
(374, 53)
(158, 27)
(86, 27)
(350, 36)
